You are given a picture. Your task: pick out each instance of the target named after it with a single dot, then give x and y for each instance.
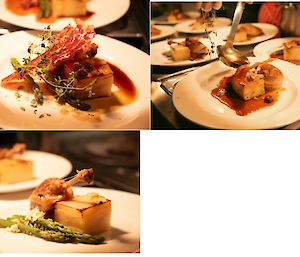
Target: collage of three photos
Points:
(82, 80)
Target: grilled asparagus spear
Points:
(38, 94)
(50, 230)
(45, 8)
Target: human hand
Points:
(208, 6)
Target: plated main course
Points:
(49, 10)
(206, 21)
(177, 15)
(14, 168)
(189, 49)
(246, 32)
(250, 88)
(65, 67)
(56, 215)
(290, 51)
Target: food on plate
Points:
(204, 22)
(49, 9)
(177, 15)
(251, 87)
(291, 50)
(154, 31)
(34, 224)
(247, 31)
(69, 8)
(66, 66)
(247, 84)
(52, 190)
(89, 214)
(252, 81)
(78, 212)
(13, 167)
(18, 148)
(272, 76)
(240, 36)
(189, 49)
(57, 215)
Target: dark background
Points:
(114, 156)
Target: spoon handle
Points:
(236, 20)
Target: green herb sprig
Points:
(61, 87)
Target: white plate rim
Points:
(206, 115)
(112, 50)
(264, 49)
(111, 14)
(184, 26)
(129, 226)
(165, 31)
(162, 19)
(161, 46)
(61, 167)
(273, 32)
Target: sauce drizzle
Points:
(240, 106)
(125, 95)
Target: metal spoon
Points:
(227, 54)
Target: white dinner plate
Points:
(192, 98)
(165, 31)
(269, 31)
(164, 20)
(132, 116)
(45, 165)
(265, 49)
(105, 12)
(123, 237)
(185, 27)
(157, 58)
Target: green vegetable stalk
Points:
(45, 8)
(38, 94)
(50, 230)
(74, 102)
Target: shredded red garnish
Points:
(67, 44)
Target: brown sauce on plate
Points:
(280, 56)
(126, 94)
(15, 6)
(240, 106)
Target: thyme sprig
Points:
(211, 18)
(64, 88)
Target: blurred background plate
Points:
(164, 31)
(269, 31)
(116, 166)
(265, 49)
(45, 165)
(105, 12)
(186, 27)
(162, 19)
(159, 48)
